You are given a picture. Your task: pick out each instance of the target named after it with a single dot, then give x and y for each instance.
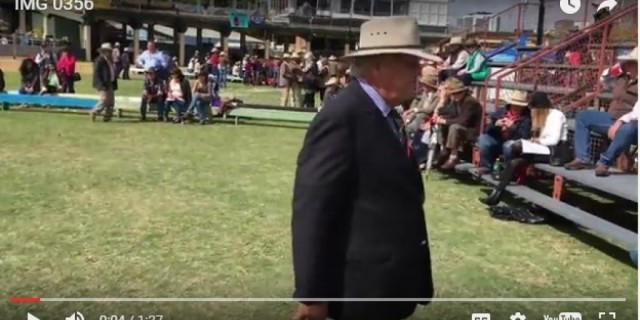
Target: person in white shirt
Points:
(549, 128)
(456, 60)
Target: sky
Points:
(508, 20)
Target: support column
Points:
(45, 26)
(22, 21)
(346, 48)
(136, 43)
(199, 38)
(224, 39)
(124, 34)
(243, 43)
(181, 53)
(151, 32)
(86, 41)
(267, 49)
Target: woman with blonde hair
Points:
(549, 132)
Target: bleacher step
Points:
(600, 226)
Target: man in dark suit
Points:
(105, 81)
(358, 224)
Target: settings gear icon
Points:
(518, 316)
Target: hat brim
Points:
(459, 90)
(627, 58)
(517, 103)
(410, 52)
(429, 84)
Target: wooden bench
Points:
(624, 237)
(269, 114)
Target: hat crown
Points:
(520, 97)
(393, 32)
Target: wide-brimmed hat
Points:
(286, 56)
(332, 58)
(454, 85)
(518, 98)
(455, 41)
(331, 82)
(430, 80)
(105, 47)
(393, 35)
(471, 42)
(631, 56)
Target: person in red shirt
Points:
(66, 68)
(214, 64)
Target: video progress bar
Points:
(37, 300)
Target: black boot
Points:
(492, 199)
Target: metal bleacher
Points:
(570, 87)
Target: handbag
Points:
(76, 76)
(561, 154)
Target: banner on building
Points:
(239, 20)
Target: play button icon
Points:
(31, 317)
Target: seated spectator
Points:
(456, 60)
(615, 123)
(178, 95)
(29, 77)
(476, 68)
(506, 125)
(152, 95)
(50, 80)
(203, 91)
(67, 69)
(549, 127)
(459, 120)
(423, 106)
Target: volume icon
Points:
(75, 316)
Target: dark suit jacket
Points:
(358, 224)
(102, 75)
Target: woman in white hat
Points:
(513, 122)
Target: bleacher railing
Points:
(569, 72)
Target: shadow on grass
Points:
(615, 211)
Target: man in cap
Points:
(358, 226)
(105, 81)
(619, 123)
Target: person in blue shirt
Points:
(153, 58)
(153, 95)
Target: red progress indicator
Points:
(24, 299)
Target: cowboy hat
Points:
(455, 41)
(333, 58)
(105, 47)
(471, 42)
(331, 82)
(286, 56)
(631, 56)
(430, 80)
(393, 35)
(454, 85)
(518, 98)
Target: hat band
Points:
(390, 47)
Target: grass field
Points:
(127, 209)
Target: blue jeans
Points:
(178, 108)
(490, 149)
(202, 108)
(144, 103)
(600, 122)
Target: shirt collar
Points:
(375, 96)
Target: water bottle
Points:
(497, 166)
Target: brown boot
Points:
(577, 164)
(602, 171)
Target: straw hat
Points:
(518, 98)
(454, 85)
(286, 56)
(430, 80)
(105, 47)
(333, 58)
(471, 42)
(455, 41)
(331, 82)
(393, 35)
(631, 56)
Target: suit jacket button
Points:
(423, 243)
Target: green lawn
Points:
(158, 210)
